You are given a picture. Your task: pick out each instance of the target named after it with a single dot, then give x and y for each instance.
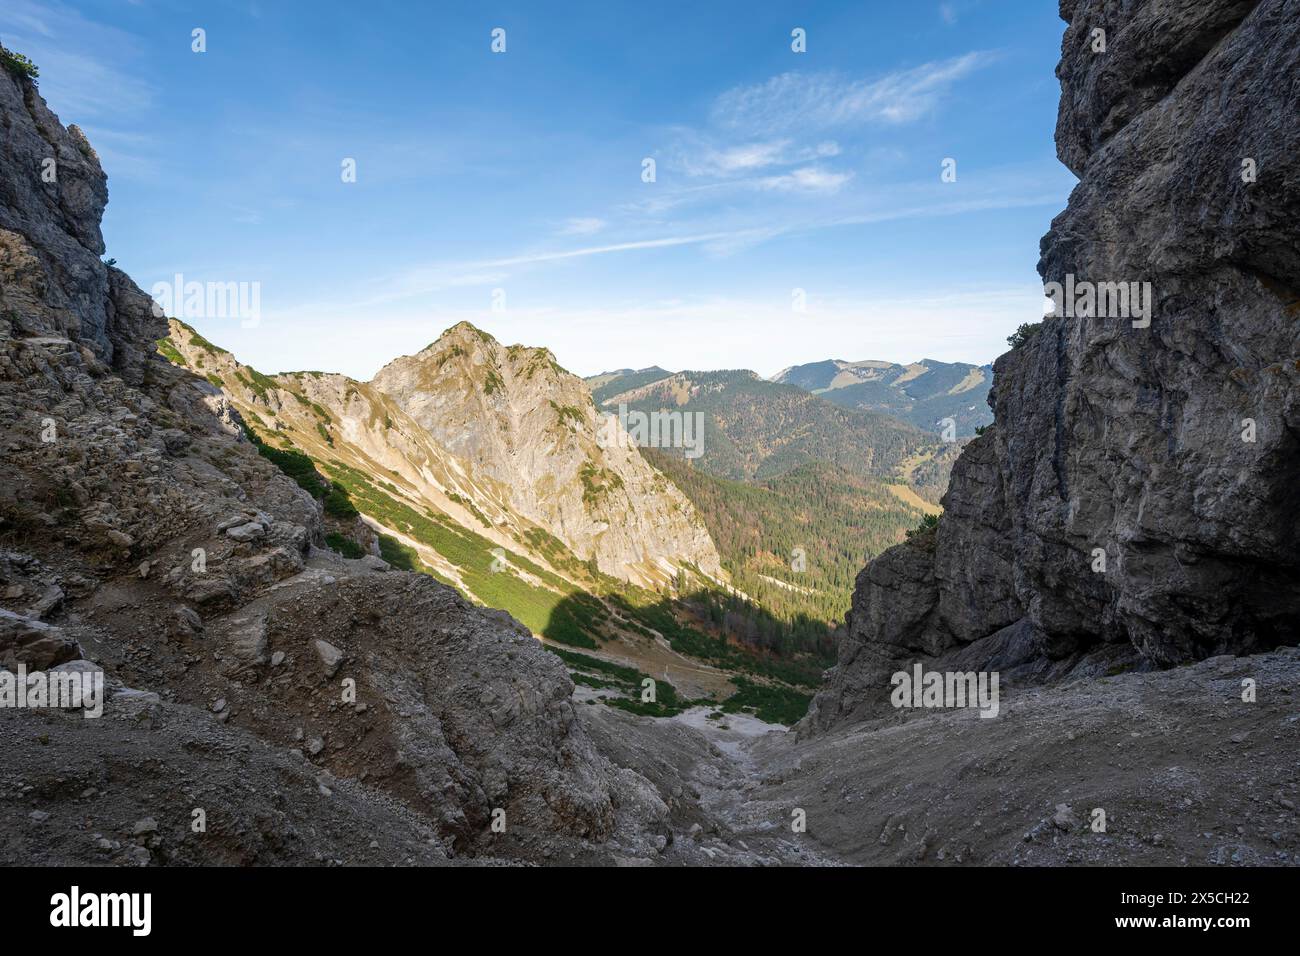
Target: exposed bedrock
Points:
(1173, 450)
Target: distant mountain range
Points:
(756, 429)
(611, 383)
(923, 393)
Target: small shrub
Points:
(344, 545)
(18, 65)
(772, 704)
(199, 341)
(168, 350)
(928, 523)
(398, 555)
(293, 463)
(1023, 334)
(338, 504)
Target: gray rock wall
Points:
(1121, 438)
(52, 280)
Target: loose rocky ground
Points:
(1185, 770)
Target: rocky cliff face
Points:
(1138, 494)
(343, 423)
(52, 196)
(516, 417)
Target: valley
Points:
(477, 465)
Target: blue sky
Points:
(507, 188)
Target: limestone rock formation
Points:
(514, 415)
(1171, 452)
(528, 487)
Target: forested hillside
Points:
(794, 543)
(756, 429)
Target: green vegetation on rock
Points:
(18, 64)
(344, 545)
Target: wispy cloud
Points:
(823, 101)
(730, 234)
(86, 79)
(79, 85)
(247, 217)
(809, 179)
(425, 280)
(582, 226)
(786, 134)
(699, 154)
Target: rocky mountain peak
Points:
(463, 334)
(514, 415)
(473, 359)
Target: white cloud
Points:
(424, 280)
(827, 101)
(809, 179)
(721, 236)
(702, 156)
(756, 130)
(582, 226)
(749, 156)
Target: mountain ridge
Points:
(754, 428)
(926, 393)
(516, 414)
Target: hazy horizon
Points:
(797, 211)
